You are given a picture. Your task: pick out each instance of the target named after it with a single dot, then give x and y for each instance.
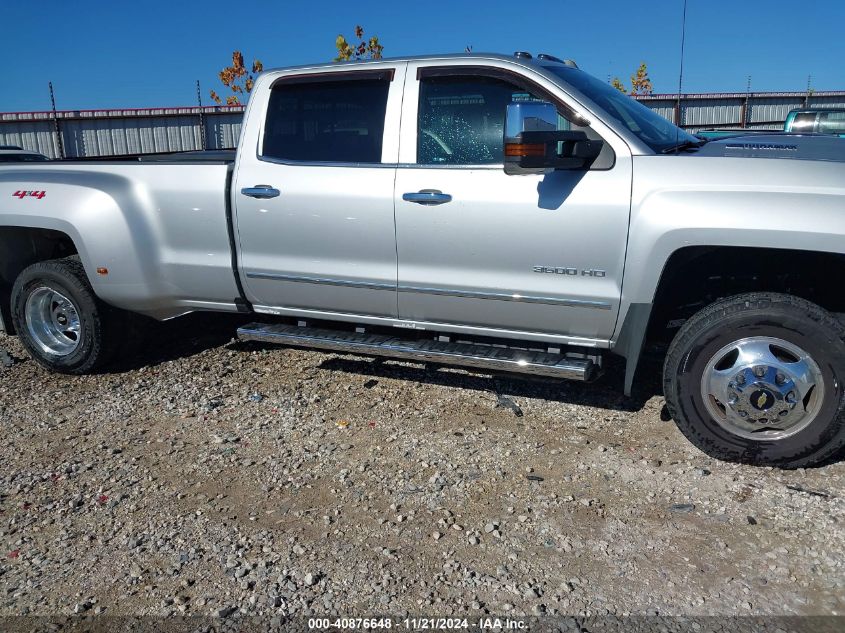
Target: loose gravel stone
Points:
(206, 477)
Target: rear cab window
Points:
(803, 122)
(332, 118)
(832, 122)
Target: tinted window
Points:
(337, 121)
(832, 122)
(22, 158)
(803, 122)
(651, 128)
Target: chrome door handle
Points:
(260, 191)
(427, 197)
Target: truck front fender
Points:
(715, 207)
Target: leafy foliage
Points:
(364, 49)
(237, 78)
(640, 82)
(240, 79)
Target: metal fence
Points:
(762, 110)
(100, 133)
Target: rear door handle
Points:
(427, 197)
(261, 191)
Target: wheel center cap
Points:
(762, 388)
(762, 399)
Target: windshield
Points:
(651, 128)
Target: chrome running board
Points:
(447, 353)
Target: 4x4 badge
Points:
(29, 194)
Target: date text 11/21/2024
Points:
(419, 624)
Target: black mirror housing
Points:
(533, 144)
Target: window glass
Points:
(651, 128)
(22, 158)
(803, 122)
(332, 121)
(832, 122)
(462, 119)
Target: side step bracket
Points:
(423, 350)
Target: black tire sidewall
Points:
(777, 321)
(61, 278)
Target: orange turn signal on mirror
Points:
(102, 271)
(525, 149)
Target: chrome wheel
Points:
(762, 388)
(53, 322)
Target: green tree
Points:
(617, 83)
(237, 78)
(364, 49)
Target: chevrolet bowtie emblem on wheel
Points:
(762, 400)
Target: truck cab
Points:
(378, 192)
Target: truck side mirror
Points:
(533, 143)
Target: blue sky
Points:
(149, 53)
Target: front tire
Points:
(757, 378)
(59, 319)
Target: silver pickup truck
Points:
(507, 213)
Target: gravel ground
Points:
(208, 477)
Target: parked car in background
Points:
(500, 212)
(14, 154)
(798, 121)
(816, 121)
(716, 133)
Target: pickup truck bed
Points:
(162, 229)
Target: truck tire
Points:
(59, 319)
(757, 378)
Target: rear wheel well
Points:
(22, 246)
(696, 276)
